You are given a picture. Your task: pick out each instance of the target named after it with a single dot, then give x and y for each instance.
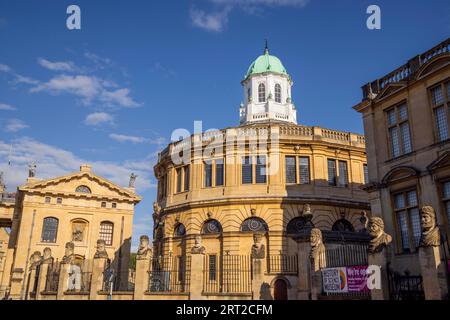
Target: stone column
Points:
(143, 264)
(304, 270)
(317, 261)
(98, 268)
(63, 280)
(431, 265)
(42, 281)
(258, 255)
(197, 266)
(379, 246)
(31, 282)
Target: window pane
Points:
(403, 225)
(391, 117)
(448, 91)
(106, 232)
(261, 170)
(447, 207)
(399, 201)
(343, 174)
(404, 128)
(415, 222)
(441, 123)
(49, 230)
(179, 180)
(437, 96)
(219, 172)
(212, 268)
(261, 93)
(291, 170)
(247, 174)
(186, 178)
(446, 190)
(278, 93)
(331, 172)
(304, 170)
(395, 142)
(366, 173)
(208, 174)
(412, 198)
(403, 112)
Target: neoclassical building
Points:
(45, 217)
(268, 176)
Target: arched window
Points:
(277, 93)
(343, 225)
(297, 225)
(212, 227)
(249, 94)
(106, 232)
(49, 230)
(180, 230)
(79, 230)
(262, 92)
(254, 225)
(83, 189)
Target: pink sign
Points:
(357, 279)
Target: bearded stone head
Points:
(427, 218)
(70, 247)
(47, 253)
(36, 257)
(375, 227)
(144, 241)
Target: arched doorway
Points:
(280, 290)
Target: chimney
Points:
(85, 168)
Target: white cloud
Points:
(125, 138)
(119, 97)
(17, 77)
(6, 107)
(99, 118)
(53, 161)
(4, 68)
(214, 21)
(15, 125)
(57, 66)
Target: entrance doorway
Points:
(280, 290)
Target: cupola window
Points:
(261, 92)
(277, 93)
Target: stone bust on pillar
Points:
(36, 260)
(379, 239)
(317, 255)
(144, 250)
(101, 250)
(47, 258)
(258, 248)
(198, 248)
(69, 255)
(430, 231)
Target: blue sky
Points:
(111, 93)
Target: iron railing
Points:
(170, 274)
(347, 255)
(282, 264)
(405, 287)
(52, 280)
(227, 274)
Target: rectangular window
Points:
(212, 268)
(406, 208)
(179, 177)
(103, 204)
(59, 200)
(106, 232)
(47, 199)
(247, 172)
(186, 178)
(304, 170)
(343, 174)
(208, 174)
(332, 172)
(261, 169)
(398, 128)
(440, 102)
(291, 170)
(366, 173)
(219, 172)
(446, 198)
(114, 205)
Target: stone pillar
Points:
(379, 259)
(304, 270)
(143, 264)
(433, 273)
(29, 295)
(197, 266)
(318, 261)
(98, 268)
(63, 280)
(258, 255)
(42, 281)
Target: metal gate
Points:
(405, 287)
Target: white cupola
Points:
(267, 92)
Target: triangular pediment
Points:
(81, 184)
(443, 161)
(390, 89)
(399, 174)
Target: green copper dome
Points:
(266, 63)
